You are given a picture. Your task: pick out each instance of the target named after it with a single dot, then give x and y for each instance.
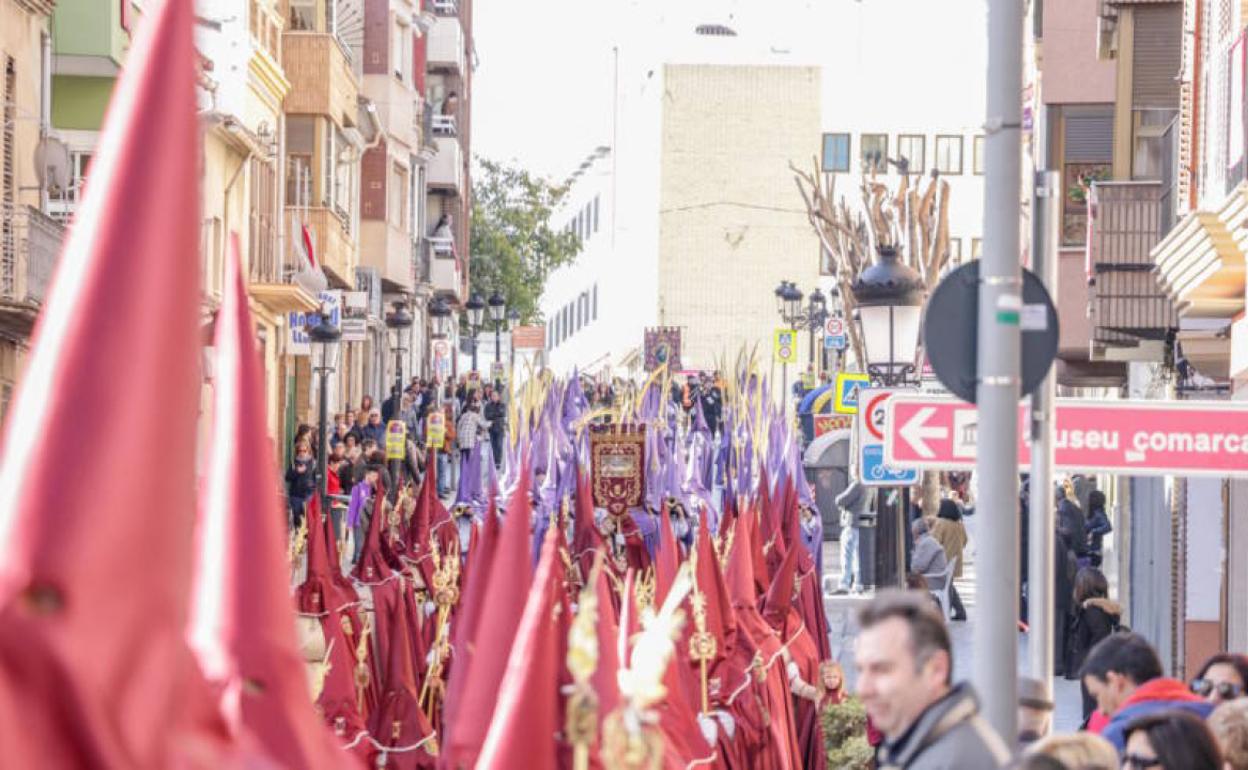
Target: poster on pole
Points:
(354, 316)
(396, 440)
(435, 429)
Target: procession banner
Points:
(618, 463)
(663, 347)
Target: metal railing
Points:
(1126, 302)
(444, 125)
(29, 244)
(446, 7)
(442, 246)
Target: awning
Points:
(282, 298)
(1201, 265)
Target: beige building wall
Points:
(731, 223)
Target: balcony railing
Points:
(29, 243)
(444, 125)
(1126, 303)
(421, 268)
(446, 7)
(442, 246)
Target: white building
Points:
(689, 213)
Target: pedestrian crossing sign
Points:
(784, 343)
(848, 386)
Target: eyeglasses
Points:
(1228, 691)
(1136, 762)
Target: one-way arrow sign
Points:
(1141, 438)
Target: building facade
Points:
(29, 237)
(690, 214)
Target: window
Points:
(594, 313)
(911, 147)
(399, 213)
(873, 149)
(262, 238)
(401, 50)
(955, 250)
(339, 173)
(302, 15)
(977, 248)
(1149, 150)
(949, 154)
(300, 142)
(595, 213)
(835, 153)
(1087, 156)
(977, 162)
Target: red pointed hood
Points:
(766, 506)
(586, 539)
(242, 622)
(94, 573)
(398, 720)
(757, 558)
(526, 718)
(318, 593)
(371, 566)
(780, 592)
(740, 571)
(503, 600)
(605, 679)
(721, 621)
(476, 577)
(666, 560)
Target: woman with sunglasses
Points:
(1222, 678)
(1170, 740)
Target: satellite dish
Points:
(52, 165)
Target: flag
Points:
(94, 573)
(242, 622)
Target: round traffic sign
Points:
(874, 415)
(834, 326)
(951, 330)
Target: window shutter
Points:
(1089, 136)
(376, 37)
(1156, 59)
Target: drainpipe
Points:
(45, 99)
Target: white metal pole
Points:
(1045, 214)
(995, 669)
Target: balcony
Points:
(446, 7)
(29, 244)
(322, 81)
(1131, 313)
(388, 249)
(446, 51)
(445, 276)
(446, 169)
(332, 244)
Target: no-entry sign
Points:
(1138, 438)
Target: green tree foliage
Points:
(514, 245)
(845, 735)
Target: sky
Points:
(544, 79)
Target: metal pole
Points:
(498, 343)
(995, 640)
(475, 331)
(322, 455)
(1042, 514)
(396, 465)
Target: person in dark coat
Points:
(1070, 520)
(1064, 568)
(496, 414)
(1098, 525)
(1095, 617)
(300, 482)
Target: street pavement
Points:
(843, 628)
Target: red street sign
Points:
(1137, 438)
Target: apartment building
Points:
(1138, 105)
(689, 215)
(29, 238)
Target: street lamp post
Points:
(498, 314)
(400, 325)
(325, 342)
(789, 305)
(476, 308)
(889, 296)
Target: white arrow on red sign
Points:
(1143, 438)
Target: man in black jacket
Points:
(496, 414)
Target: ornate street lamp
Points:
(476, 309)
(399, 324)
(325, 341)
(498, 314)
(889, 296)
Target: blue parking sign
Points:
(874, 472)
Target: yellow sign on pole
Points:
(396, 440)
(435, 429)
(784, 345)
(847, 387)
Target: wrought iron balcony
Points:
(1127, 305)
(29, 244)
(444, 125)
